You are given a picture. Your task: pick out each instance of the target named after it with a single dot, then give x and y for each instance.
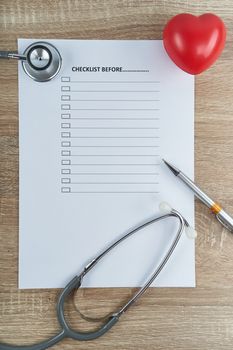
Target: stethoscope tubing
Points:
(66, 331)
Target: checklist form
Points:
(110, 134)
(91, 144)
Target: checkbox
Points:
(66, 180)
(65, 125)
(66, 189)
(65, 134)
(65, 171)
(66, 144)
(65, 153)
(65, 79)
(65, 107)
(65, 97)
(65, 115)
(66, 162)
(65, 88)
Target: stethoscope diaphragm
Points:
(43, 61)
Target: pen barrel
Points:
(225, 219)
(197, 191)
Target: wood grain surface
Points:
(200, 318)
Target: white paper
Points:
(91, 144)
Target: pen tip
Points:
(173, 169)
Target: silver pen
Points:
(225, 219)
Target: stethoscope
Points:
(110, 320)
(41, 61)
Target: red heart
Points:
(194, 43)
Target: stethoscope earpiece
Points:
(190, 232)
(165, 208)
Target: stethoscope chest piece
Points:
(43, 61)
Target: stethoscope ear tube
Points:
(76, 282)
(66, 331)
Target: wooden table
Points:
(200, 318)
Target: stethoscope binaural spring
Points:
(66, 330)
(41, 61)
